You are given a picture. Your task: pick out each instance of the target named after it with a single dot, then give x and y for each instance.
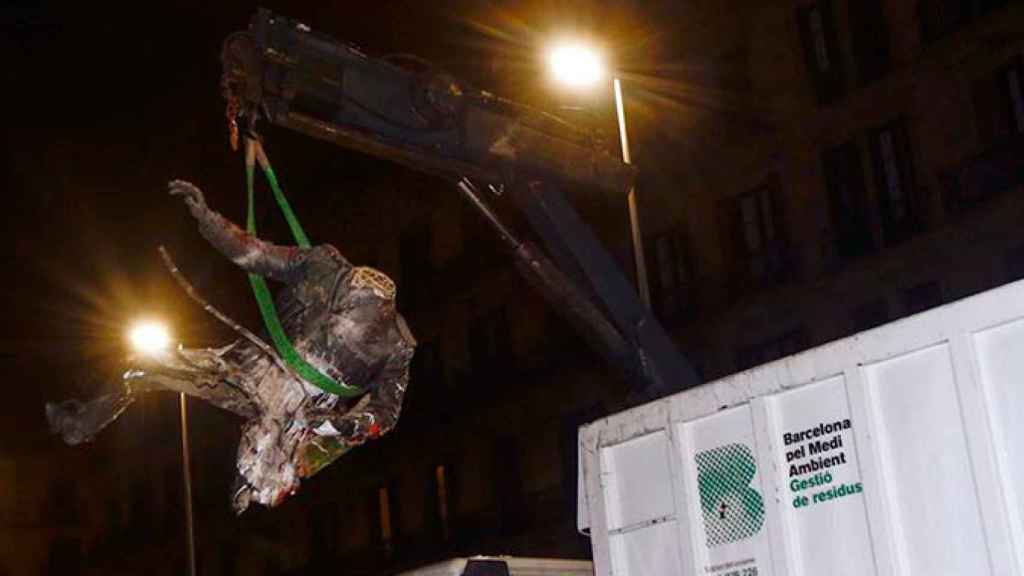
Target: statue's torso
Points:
(341, 318)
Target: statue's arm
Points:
(248, 252)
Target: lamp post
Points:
(152, 338)
(577, 66)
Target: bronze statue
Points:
(340, 318)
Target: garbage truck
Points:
(896, 451)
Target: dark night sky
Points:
(105, 105)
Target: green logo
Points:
(732, 509)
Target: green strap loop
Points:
(263, 298)
(293, 223)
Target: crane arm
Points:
(422, 118)
(281, 71)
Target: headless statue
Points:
(340, 318)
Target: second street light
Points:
(152, 338)
(577, 65)
(149, 337)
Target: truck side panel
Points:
(892, 452)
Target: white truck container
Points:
(898, 451)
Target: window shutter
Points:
(821, 51)
(1011, 86)
(894, 176)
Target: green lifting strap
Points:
(259, 285)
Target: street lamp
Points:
(577, 65)
(151, 338)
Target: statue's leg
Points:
(213, 375)
(206, 374)
(266, 468)
(271, 447)
(79, 422)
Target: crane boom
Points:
(282, 71)
(424, 119)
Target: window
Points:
(441, 483)
(923, 296)
(818, 33)
(489, 341)
(894, 176)
(870, 39)
(999, 102)
(844, 179)
(1011, 85)
(671, 284)
(870, 314)
(772, 349)
(998, 98)
(758, 235)
(383, 516)
(442, 501)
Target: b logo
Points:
(732, 509)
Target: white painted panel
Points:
(938, 453)
(647, 551)
(926, 465)
(582, 510)
(638, 483)
(1000, 354)
(817, 459)
(726, 495)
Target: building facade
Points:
(887, 183)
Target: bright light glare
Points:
(575, 65)
(149, 337)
